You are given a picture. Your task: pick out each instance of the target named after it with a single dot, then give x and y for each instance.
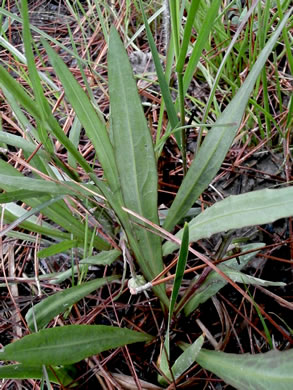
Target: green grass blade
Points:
(42, 313)
(180, 268)
(23, 371)
(41, 102)
(134, 153)
(29, 105)
(175, 20)
(19, 93)
(69, 344)
(225, 62)
(286, 36)
(237, 211)
(215, 146)
(187, 34)
(41, 33)
(18, 216)
(262, 320)
(265, 371)
(201, 42)
(172, 115)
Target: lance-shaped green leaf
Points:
(265, 371)
(69, 344)
(14, 196)
(56, 209)
(59, 277)
(240, 277)
(88, 117)
(238, 211)
(187, 358)
(54, 249)
(214, 282)
(49, 206)
(22, 371)
(26, 214)
(48, 187)
(184, 361)
(42, 313)
(134, 154)
(102, 258)
(216, 144)
(19, 142)
(12, 212)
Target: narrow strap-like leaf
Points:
(216, 144)
(134, 155)
(264, 371)
(237, 211)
